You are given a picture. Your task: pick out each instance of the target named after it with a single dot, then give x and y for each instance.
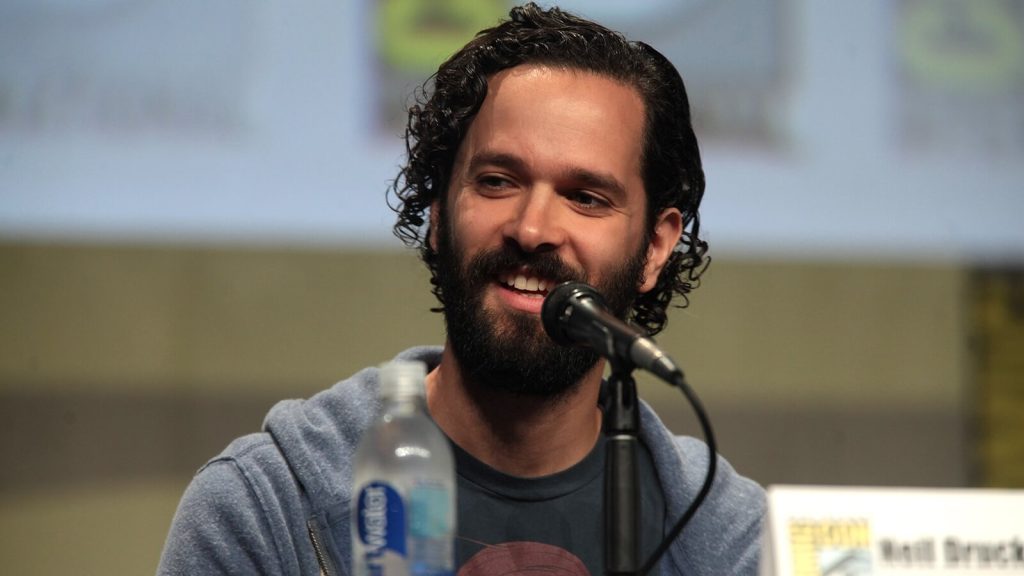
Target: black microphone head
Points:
(558, 307)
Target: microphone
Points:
(575, 314)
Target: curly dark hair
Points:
(447, 103)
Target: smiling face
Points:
(546, 187)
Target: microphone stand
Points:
(621, 484)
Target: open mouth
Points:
(526, 284)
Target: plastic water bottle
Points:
(403, 496)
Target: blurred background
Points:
(193, 226)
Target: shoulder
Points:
(727, 529)
(231, 514)
(731, 490)
(245, 511)
(683, 460)
(724, 536)
(253, 463)
(734, 498)
(318, 436)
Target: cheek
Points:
(601, 250)
(471, 225)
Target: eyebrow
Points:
(498, 159)
(511, 162)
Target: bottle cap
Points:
(402, 378)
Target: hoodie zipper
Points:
(326, 566)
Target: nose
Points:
(536, 224)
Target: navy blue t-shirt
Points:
(552, 525)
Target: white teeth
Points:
(526, 284)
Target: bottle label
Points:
(399, 536)
(428, 511)
(381, 525)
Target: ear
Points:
(667, 229)
(432, 233)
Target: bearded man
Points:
(548, 149)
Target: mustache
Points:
(509, 257)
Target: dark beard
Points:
(513, 353)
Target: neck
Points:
(523, 436)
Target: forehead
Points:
(550, 115)
(571, 92)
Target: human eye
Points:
(587, 201)
(494, 183)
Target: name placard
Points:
(837, 531)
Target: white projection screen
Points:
(830, 129)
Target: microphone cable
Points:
(556, 322)
(709, 475)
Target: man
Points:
(548, 149)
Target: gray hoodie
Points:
(277, 502)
